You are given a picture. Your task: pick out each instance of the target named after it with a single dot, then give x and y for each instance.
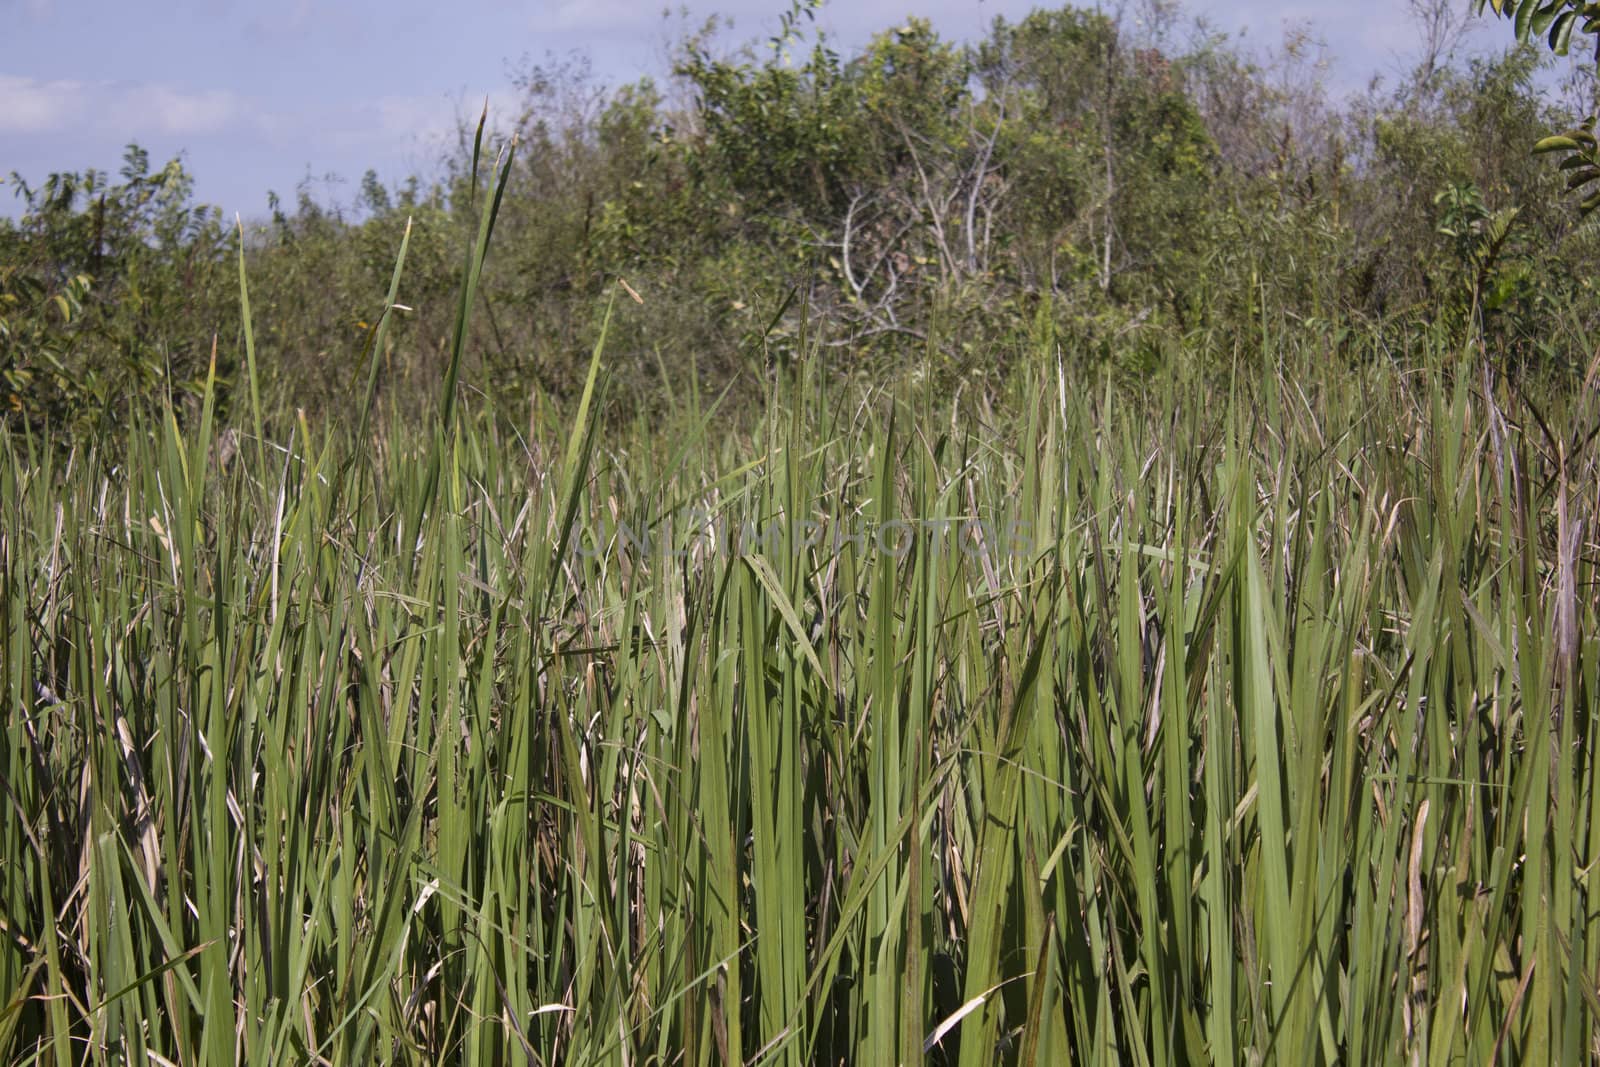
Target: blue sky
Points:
(260, 95)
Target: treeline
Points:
(1120, 194)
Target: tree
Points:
(107, 289)
(1554, 22)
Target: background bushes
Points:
(924, 207)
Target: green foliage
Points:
(916, 210)
(1095, 573)
(105, 287)
(1188, 723)
(1581, 163)
(1480, 240)
(1554, 21)
(1551, 20)
(33, 325)
(776, 136)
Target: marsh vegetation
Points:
(1117, 674)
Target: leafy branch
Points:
(1554, 21)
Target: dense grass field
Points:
(1193, 723)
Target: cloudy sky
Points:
(262, 95)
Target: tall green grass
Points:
(1251, 725)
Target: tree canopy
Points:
(1127, 192)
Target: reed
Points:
(1203, 722)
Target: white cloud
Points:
(434, 119)
(32, 105)
(174, 111)
(600, 17)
